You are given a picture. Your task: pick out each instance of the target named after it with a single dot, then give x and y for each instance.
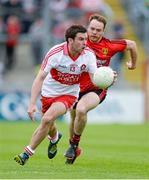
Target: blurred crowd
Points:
(46, 20)
(16, 18)
(26, 17)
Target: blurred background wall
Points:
(28, 28)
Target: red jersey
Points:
(104, 50)
(13, 30)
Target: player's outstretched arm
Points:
(132, 48)
(36, 88)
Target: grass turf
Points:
(109, 151)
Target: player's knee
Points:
(81, 111)
(48, 119)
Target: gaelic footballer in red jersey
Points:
(91, 96)
(58, 82)
(104, 50)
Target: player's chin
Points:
(93, 39)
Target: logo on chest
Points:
(104, 51)
(75, 67)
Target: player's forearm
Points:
(132, 48)
(133, 55)
(36, 89)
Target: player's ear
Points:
(70, 40)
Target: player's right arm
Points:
(132, 48)
(36, 89)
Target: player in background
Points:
(58, 81)
(91, 96)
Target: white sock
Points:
(29, 150)
(53, 139)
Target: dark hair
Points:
(99, 18)
(73, 30)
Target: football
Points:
(103, 77)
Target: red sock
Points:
(75, 139)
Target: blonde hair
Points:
(99, 18)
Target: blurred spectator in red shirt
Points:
(12, 32)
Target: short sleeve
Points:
(92, 63)
(48, 62)
(118, 45)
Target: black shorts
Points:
(100, 92)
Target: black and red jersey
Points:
(104, 50)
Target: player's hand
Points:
(115, 76)
(31, 110)
(130, 66)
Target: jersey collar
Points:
(66, 52)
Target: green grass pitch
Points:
(109, 152)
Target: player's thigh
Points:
(55, 110)
(88, 101)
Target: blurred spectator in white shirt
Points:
(36, 37)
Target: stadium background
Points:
(116, 141)
(42, 24)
